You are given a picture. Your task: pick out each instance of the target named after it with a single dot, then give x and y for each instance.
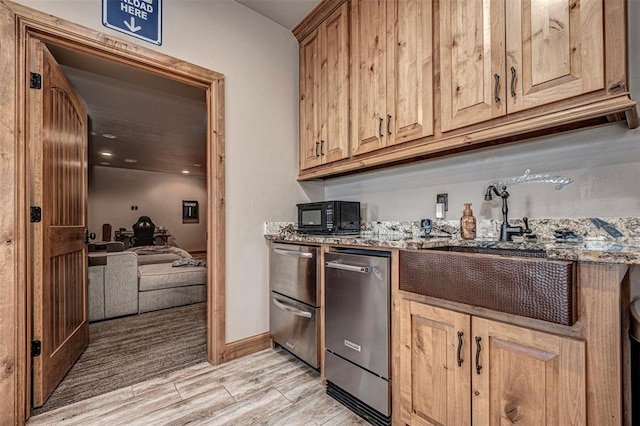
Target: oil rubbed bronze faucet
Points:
(506, 231)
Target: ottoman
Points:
(162, 286)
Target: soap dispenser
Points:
(468, 223)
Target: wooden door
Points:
(527, 377)
(434, 388)
(368, 75)
(58, 143)
(555, 50)
(334, 141)
(410, 68)
(472, 67)
(310, 81)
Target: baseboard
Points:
(246, 346)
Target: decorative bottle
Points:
(468, 223)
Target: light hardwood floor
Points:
(270, 387)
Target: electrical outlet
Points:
(443, 199)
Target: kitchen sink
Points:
(494, 250)
(519, 282)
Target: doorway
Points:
(153, 130)
(21, 26)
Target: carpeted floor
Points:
(125, 351)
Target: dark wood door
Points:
(58, 144)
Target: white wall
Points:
(113, 191)
(604, 163)
(260, 62)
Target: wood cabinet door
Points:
(555, 50)
(310, 81)
(368, 75)
(526, 376)
(334, 141)
(472, 63)
(434, 387)
(410, 71)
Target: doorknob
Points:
(88, 236)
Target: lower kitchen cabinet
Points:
(458, 369)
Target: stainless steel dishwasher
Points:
(357, 332)
(294, 323)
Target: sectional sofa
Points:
(142, 279)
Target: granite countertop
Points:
(586, 247)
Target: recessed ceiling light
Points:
(106, 154)
(185, 172)
(104, 163)
(130, 160)
(197, 165)
(109, 136)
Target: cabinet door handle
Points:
(347, 267)
(388, 124)
(321, 147)
(496, 87)
(292, 309)
(380, 127)
(513, 82)
(302, 254)
(460, 334)
(478, 349)
(317, 144)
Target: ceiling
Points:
(147, 122)
(287, 13)
(158, 124)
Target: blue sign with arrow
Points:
(138, 18)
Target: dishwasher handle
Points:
(347, 267)
(305, 255)
(291, 309)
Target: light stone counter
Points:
(610, 240)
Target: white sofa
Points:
(125, 283)
(113, 287)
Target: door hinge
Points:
(36, 214)
(35, 81)
(36, 348)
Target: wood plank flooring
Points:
(270, 387)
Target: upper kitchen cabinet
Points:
(471, 62)
(499, 57)
(391, 60)
(429, 78)
(310, 82)
(555, 51)
(324, 92)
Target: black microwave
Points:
(329, 217)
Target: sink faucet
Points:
(506, 231)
